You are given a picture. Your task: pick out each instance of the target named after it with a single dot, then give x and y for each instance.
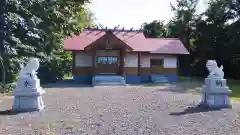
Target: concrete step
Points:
(108, 80)
(159, 79)
(110, 84)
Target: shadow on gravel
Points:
(172, 89)
(191, 110)
(8, 112)
(181, 88)
(12, 112)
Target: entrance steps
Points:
(159, 79)
(108, 80)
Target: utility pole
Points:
(2, 35)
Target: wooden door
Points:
(107, 65)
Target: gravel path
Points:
(132, 110)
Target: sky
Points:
(133, 13)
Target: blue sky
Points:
(132, 13)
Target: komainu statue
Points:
(214, 70)
(29, 71)
(215, 92)
(28, 92)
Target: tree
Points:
(155, 29)
(182, 26)
(36, 28)
(183, 23)
(213, 34)
(2, 10)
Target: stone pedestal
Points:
(28, 95)
(215, 93)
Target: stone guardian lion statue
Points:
(214, 70)
(29, 71)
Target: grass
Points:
(234, 85)
(67, 76)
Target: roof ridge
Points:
(113, 30)
(162, 38)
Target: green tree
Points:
(182, 24)
(155, 29)
(213, 34)
(36, 28)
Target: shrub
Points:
(51, 71)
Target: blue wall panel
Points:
(172, 78)
(144, 78)
(83, 79)
(132, 79)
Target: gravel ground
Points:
(130, 110)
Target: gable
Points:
(108, 41)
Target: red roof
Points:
(79, 42)
(166, 46)
(134, 39)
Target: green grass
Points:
(234, 85)
(67, 76)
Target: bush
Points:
(51, 71)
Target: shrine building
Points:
(113, 56)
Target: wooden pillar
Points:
(93, 62)
(177, 67)
(73, 62)
(122, 63)
(139, 63)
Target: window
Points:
(106, 60)
(156, 62)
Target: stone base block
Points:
(215, 100)
(27, 103)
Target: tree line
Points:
(211, 35)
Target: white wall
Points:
(169, 61)
(83, 59)
(131, 60)
(145, 60)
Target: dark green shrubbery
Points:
(51, 71)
